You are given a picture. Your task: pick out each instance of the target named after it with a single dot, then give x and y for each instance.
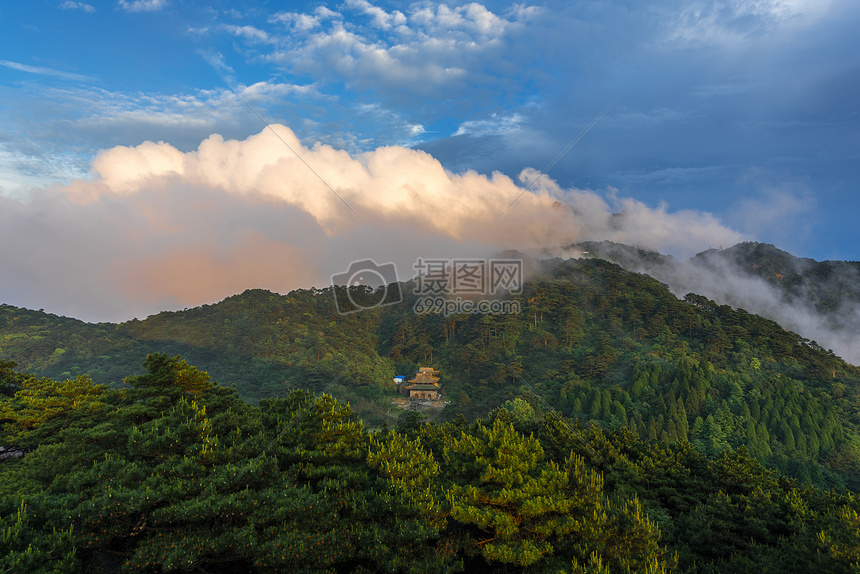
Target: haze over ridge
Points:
(818, 300)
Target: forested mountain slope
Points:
(819, 299)
(592, 341)
(830, 287)
(175, 474)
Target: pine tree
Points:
(526, 511)
(763, 440)
(841, 537)
(800, 442)
(697, 434)
(671, 432)
(813, 446)
(681, 423)
(619, 412)
(606, 403)
(752, 439)
(24, 548)
(39, 400)
(787, 436)
(639, 385)
(596, 411)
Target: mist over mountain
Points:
(819, 300)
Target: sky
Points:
(162, 154)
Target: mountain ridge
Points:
(593, 341)
(818, 299)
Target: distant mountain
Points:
(819, 300)
(632, 258)
(830, 287)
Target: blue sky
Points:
(741, 114)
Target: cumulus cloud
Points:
(249, 33)
(379, 17)
(56, 136)
(156, 227)
(72, 5)
(142, 5)
(303, 22)
(632, 222)
(432, 46)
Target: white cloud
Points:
(203, 107)
(728, 283)
(254, 35)
(302, 22)
(42, 71)
(142, 5)
(21, 171)
(72, 5)
(58, 136)
(632, 222)
(233, 13)
(198, 32)
(731, 22)
(398, 130)
(217, 61)
(379, 17)
(496, 124)
(159, 228)
(430, 47)
(472, 18)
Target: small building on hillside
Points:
(425, 392)
(425, 385)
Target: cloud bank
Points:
(157, 228)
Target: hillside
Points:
(831, 287)
(593, 341)
(818, 299)
(176, 474)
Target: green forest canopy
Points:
(592, 342)
(175, 473)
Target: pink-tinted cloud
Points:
(158, 228)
